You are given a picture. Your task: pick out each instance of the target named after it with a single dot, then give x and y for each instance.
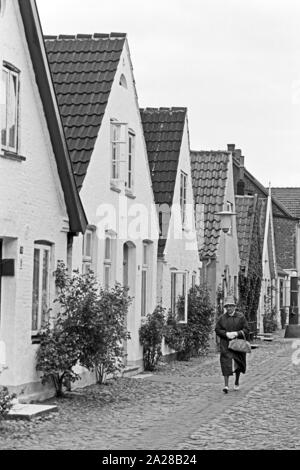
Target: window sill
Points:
(129, 194)
(35, 338)
(12, 156)
(115, 188)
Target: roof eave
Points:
(33, 31)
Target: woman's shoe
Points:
(225, 389)
(236, 387)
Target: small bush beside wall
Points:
(191, 338)
(151, 335)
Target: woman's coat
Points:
(227, 323)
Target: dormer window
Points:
(9, 122)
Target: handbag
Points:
(240, 345)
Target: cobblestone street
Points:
(179, 407)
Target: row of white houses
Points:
(90, 179)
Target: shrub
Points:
(105, 331)
(57, 355)
(192, 338)
(89, 329)
(151, 335)
(5, 402)
(269, 318)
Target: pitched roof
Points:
(251, 214)
(163, 130)
(209, 175)
(290, 198)
(278, 208)
(83, 69)
(245, 207)
(34, 37)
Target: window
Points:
(9, 123)
(131, 149)
(229, 208)
(144, 279)
(235, 287)
(41, 286)
(118, 141)
(123, 81)
(183, 186)
(194, 277)
(179, 295)
(87, 251)
(107, 263)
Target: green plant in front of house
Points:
(89, 329)
(269, 318)
(57, 355)
(6, 399)
(191, 338)
(6, 402)
(105, 331)
(61, 339)
(151, 335)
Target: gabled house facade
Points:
(288, 239)
(167, 140)
(40, 209)
(285, 226)
(96, 93)
(258, 274)
(212, 174)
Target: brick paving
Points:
(179, 407)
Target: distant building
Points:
(212, 173)
(167, 140)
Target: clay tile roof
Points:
(163, 130)
(290, 198)
(245, 207)
(209, 175)
(83, 68)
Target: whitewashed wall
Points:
(31, 208)
(96, 191)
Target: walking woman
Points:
(232, 324)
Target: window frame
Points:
(130, 155)
(42, 248)
(116, 170)
(185, 274)
(87, 258)
(107, 262)
(11, 71)
(183, 195)
(144, 279)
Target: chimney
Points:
(241, 182)
(230, 147)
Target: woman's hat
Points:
(229, 300)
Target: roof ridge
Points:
(285, 187)
(211, 151)
(113, 35)
(170, 108)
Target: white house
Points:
(212, 173)
(96, 92)
(40, 209)
(167, 140)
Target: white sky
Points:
(235, 65)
